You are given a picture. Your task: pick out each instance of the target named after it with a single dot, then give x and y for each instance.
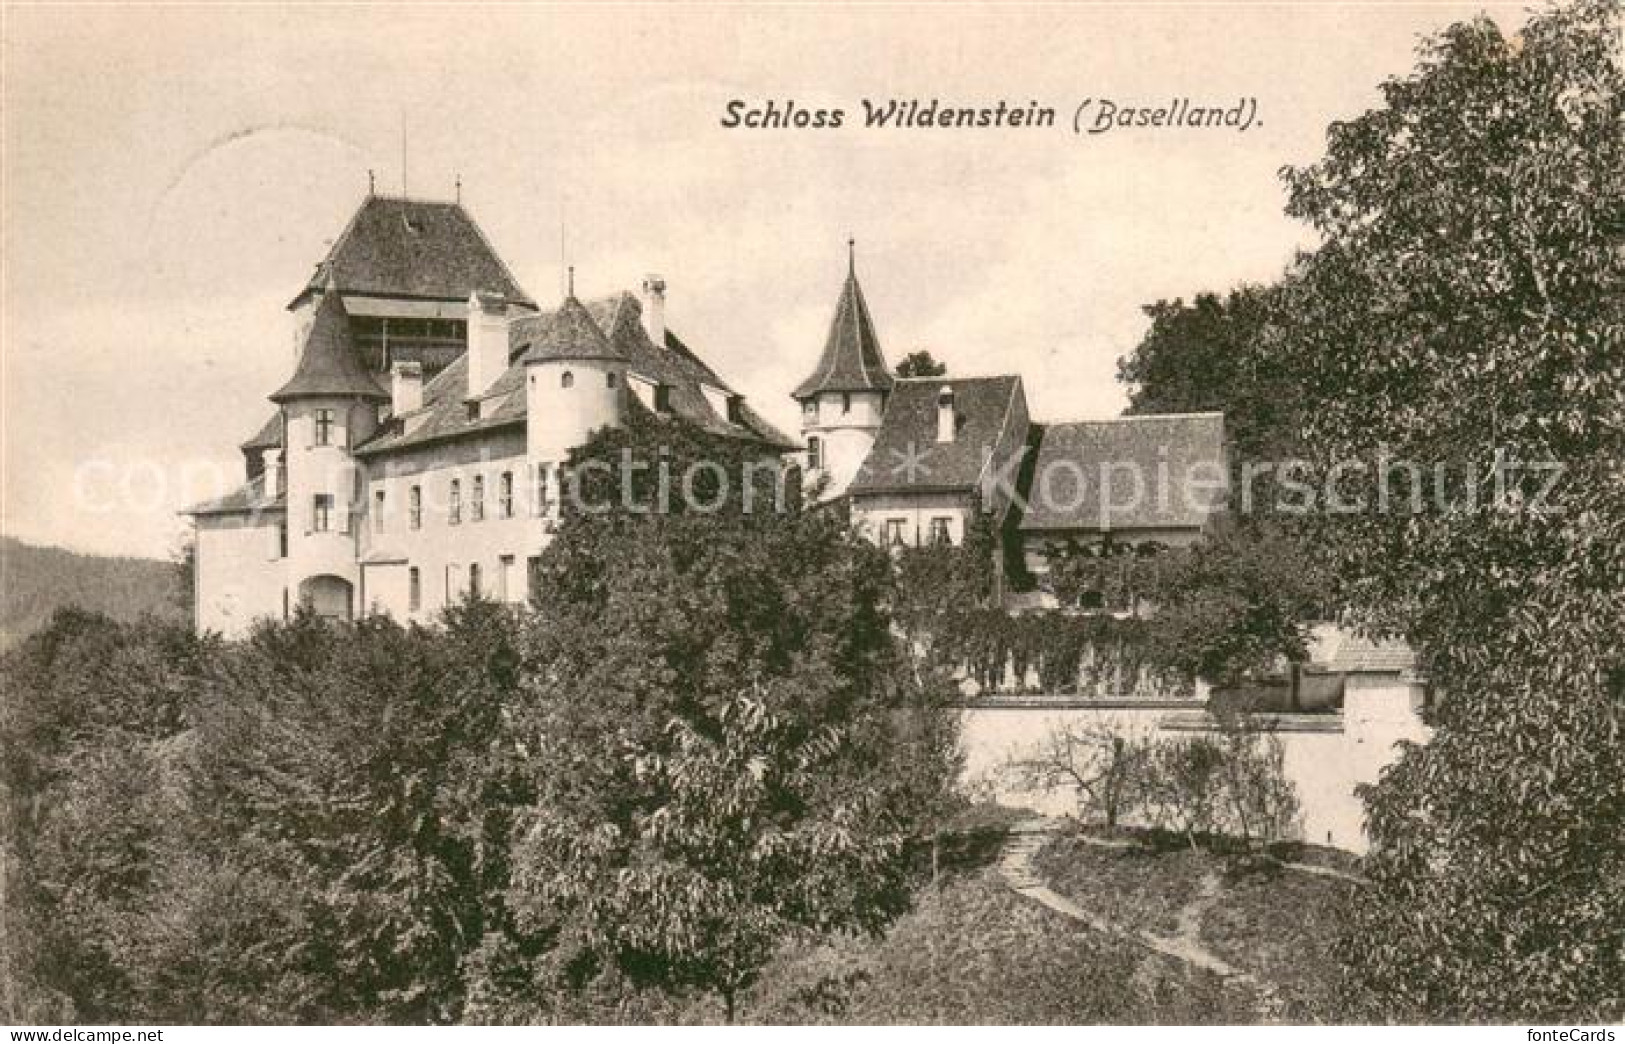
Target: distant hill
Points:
(36, 581)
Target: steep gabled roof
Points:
(852, 360)
(1161, 469)
(612, 321)
(906, 456)
(328, 364)
(415, 249)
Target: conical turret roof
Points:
(328, 364)
(571, 334)
(852, 360)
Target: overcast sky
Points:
(172, 174)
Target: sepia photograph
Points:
(770, 514)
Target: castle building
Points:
(413, 457)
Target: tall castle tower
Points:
(844, 398)
(328, 407)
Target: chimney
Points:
(654, 309)
(945, 414)
(271, 473)
(405, 387)
(487, 341)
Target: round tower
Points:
(329, 407)
(575, 384)
(844, 399)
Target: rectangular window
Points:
(894, 532)
(414, 589)
(505, 578)
(321, 513)
(505, 495)
(476, 505)
(662, 398)
(939, 531)
(846, 402)
(809, 409)
(414, 499)
(533, 577)
(474, 580)
(454, 504)
(324, 427)
(815, 453)
(282, 539)
(378, 511)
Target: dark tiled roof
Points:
(246, 500)
(906, 456)
(1357, 655)
(852, 360)
(570, 333)
(614, 321)
(1190, 447)
(418, 249)
(269, 436)
(329, 365)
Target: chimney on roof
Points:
(487, 341)
(945, 414)
(654, 309)
(405, 387)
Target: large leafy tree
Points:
(1467, 310)
(728, 750)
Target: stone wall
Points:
(1326, 756)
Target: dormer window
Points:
(662, 398)
(324, 428)
(474, 410)
(736, 410)
(809, 409)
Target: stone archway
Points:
(330, 597)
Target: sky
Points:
(171, 175)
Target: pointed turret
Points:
(572, 335)
(328, 364)
(852, 360)
(844, 399)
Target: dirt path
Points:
(1016, 865)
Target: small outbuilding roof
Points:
(1159, 471)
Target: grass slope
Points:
(37, 581)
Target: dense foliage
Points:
(701, 744)
(1467, 309)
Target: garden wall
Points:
(1326, 755)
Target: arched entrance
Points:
(329, 597)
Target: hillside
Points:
(36, 581)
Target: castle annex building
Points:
(413, 455)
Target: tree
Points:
(1238, 602)
(1466, 311)
(1103, 763)
(728, 748)
(921, 364)
(1215, 354)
